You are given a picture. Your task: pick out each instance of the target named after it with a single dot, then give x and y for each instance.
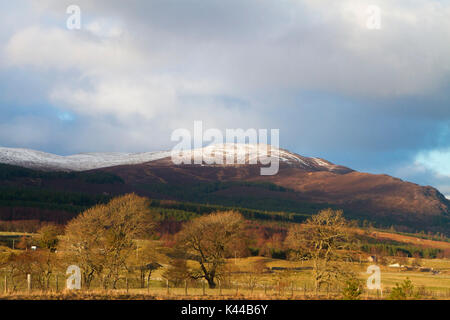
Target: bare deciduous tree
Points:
(144, 261)
(323, 239)
(178, 272)
(210, 239)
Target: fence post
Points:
(185, 287)
(203, 286)
(56, 281)
(126, 281)
(29, 282)
(167, 285)
(220, 288)
(6, 283)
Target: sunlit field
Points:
(281, 280)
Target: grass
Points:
(389, 276)
(15, 234)
(282, 279)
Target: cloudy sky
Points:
(376, 100)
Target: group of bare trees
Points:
(41, 264)
(101, 241)
(324, 239)
(104, 242)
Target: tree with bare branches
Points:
(209, 240)
(323, 239)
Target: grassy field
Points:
(249, 278)
(408, 239)
(281, 279)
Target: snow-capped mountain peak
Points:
(87, 161)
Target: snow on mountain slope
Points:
(79, 162)
(251, 153)
(248, 153)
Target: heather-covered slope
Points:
(303, 185)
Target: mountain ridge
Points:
(33, 159)
(302, 185)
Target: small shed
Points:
(394, 265)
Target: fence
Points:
(56, 283)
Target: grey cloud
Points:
(367, 99)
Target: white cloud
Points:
(62, 50)
(427, 168)
(117, 79)
(119, 97)
(436, 160)
(167, 64)
(105, 28)
(303, 45)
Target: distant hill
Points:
(302, 186)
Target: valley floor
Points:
(282, 280)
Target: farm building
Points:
(395, 265)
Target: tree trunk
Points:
(142, 277)
(148, 279)
(211, 282)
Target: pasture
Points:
(278, 279)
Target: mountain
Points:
(79, 162)
(302, 186)
(87, 161)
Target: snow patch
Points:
(241, 153)
(78, 162)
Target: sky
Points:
(373, 99)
